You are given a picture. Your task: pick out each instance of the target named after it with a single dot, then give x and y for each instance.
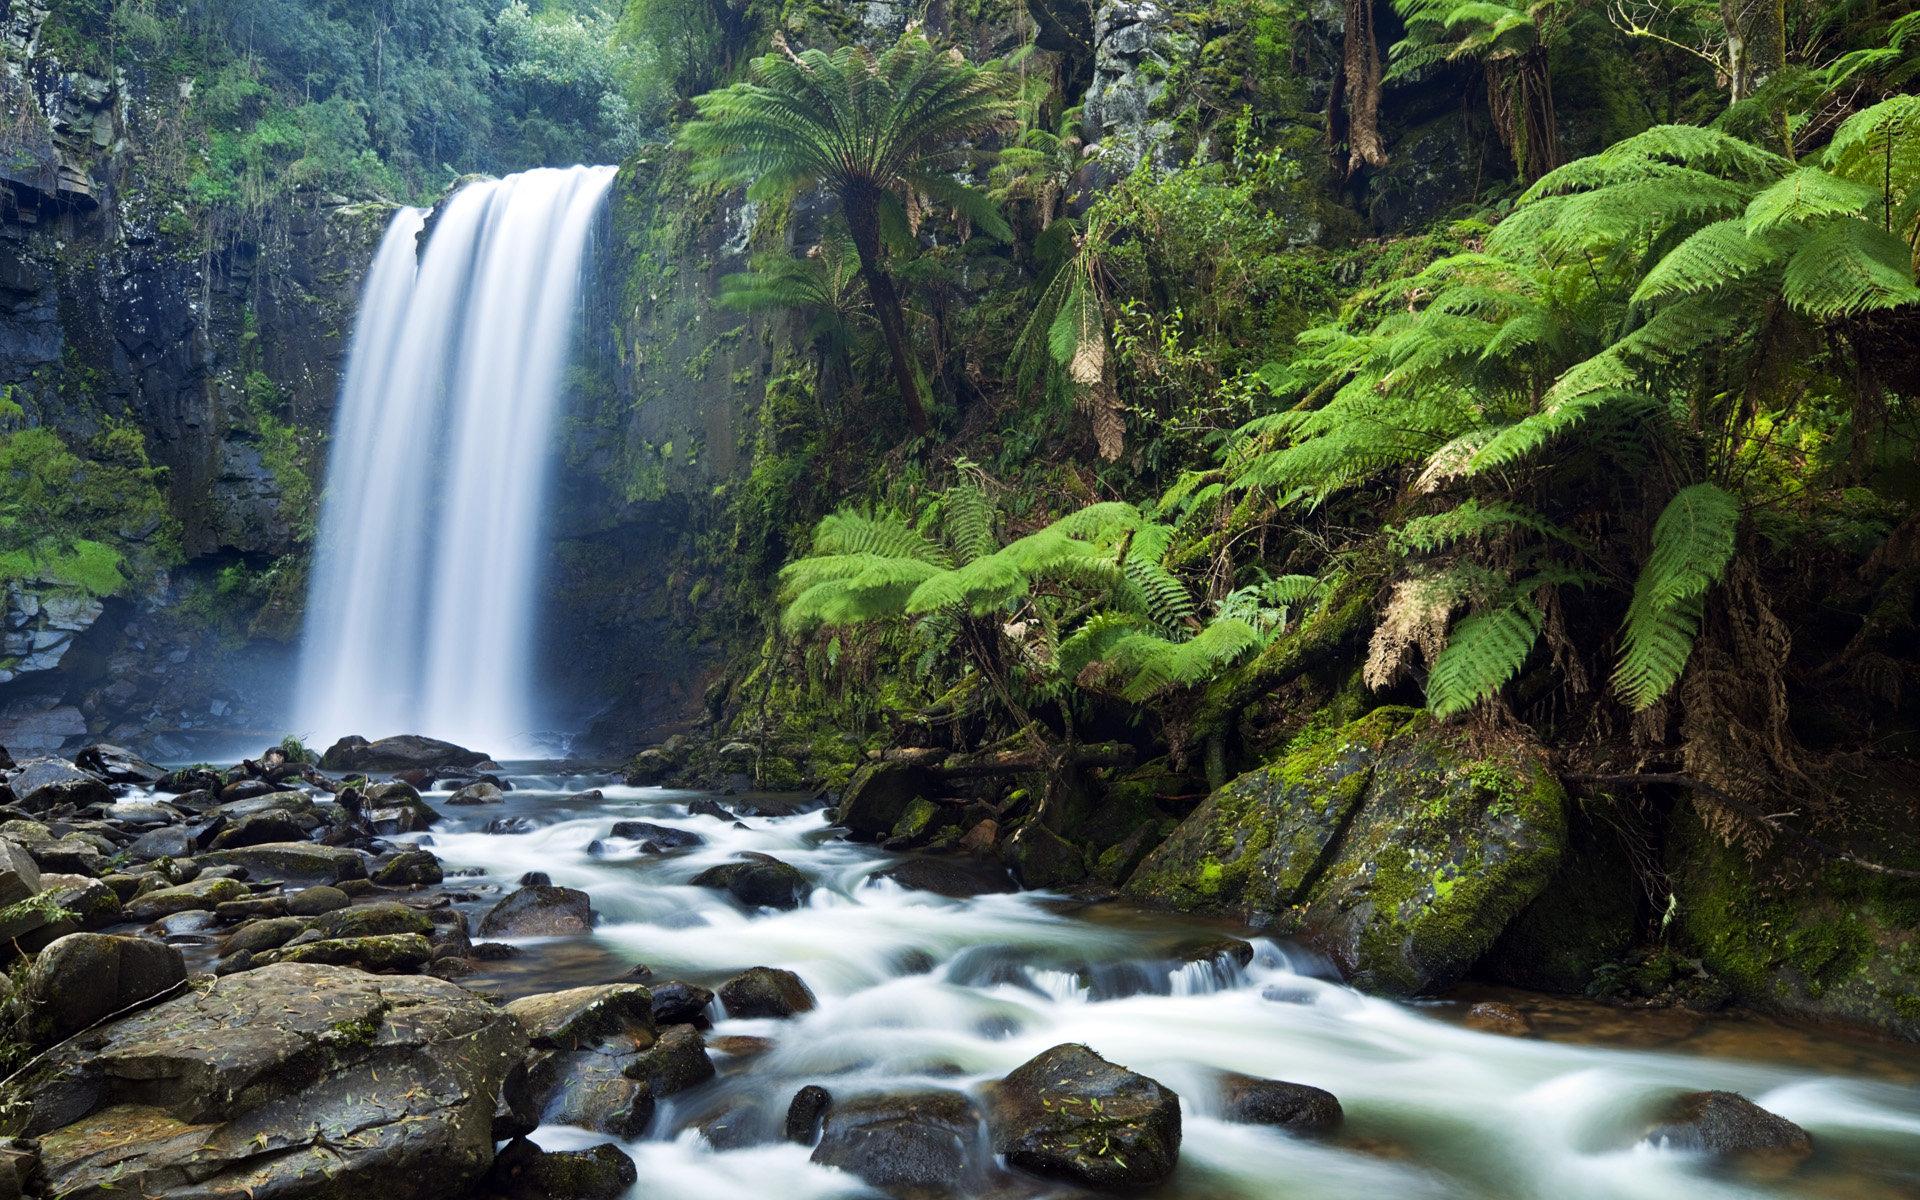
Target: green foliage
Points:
(1692, 544)
(92, 523)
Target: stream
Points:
(919, 990)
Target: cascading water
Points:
(420, 611)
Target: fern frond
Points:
(1806, 195)
(1692, 543)
(1713, 256)
(1483, 652)
(1849, 266)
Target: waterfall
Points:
(420, 608)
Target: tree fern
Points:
(1807, 194)
(1483, 652)
(1850, 266)
(1692, 543)
(1717, 255)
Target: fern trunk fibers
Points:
(1756, 52)
(1356, 94)
(1520, 100)
(863, 222)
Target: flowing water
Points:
(430, 531)
(919, 990)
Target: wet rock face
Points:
(291, 1080)
(86, 976)
(765, 992)
(1294, 1107)
(1071, 1115)
(760, 882)
(523, 1171)
(1390, 844)
(924, 1143)
(1727, 1125)
(539, 911)
(405, 752)
(878, 796)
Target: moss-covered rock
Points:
(1802, 934)
(1586, 918)
(1400, 847)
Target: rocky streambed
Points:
(418, 974)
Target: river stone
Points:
(1294, 1107)
(807, 1113)
(877, 797)
(662, 837)
(760, 882)
(116, 764)
(315, 901)
(265, 828)
(403, 753)
(677, 1003)
(585, 1016)
(91, 902)
(200, 894)
(675, 1062)
(539, 911)
(390, 953)
(44, 783)
(292, 1081)
(372, 920)
(397, 808)
(958, 878)
(477, 793)
(1728, 1125)
(262, 935)
(188, 779)
(922, 1143)
(19, 874)
(1399, 847)
(523, 1171)
(1071, 1115)
(765, 992)
(173, 842)
(307, 862)
(409, 868)
(86, 976)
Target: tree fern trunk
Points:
(863, 221)
(1359, 86)
(1756, 52)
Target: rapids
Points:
(918, 990)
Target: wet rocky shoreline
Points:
(250, 981)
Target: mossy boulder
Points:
(1800, 933)
(879, 795)
(307, 862)
(200, 894)
(386, 954)
(1400, 847)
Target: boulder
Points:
(403, 753)
(1071, 1115)
(676, 1061)
(267, 934)
(188, 779)
(959, 878)
(44, 783)
(523, 1171)
(265, 828)
(115, 764)
(397, 808)
(1294, 1107)
(759, 882)
(20, 1173)
(173, 842)
(807, 1113)
(765, 992)
(372, 920)
(19, 874)
(878, 796)
(385, 954)
(476, 794)
(1398, 847)
(293, 1081)
(920, 1143)
(315, 901)
(585, 1016)
(84, 977)
(707, 806)
(659, 837)
(409, 868)
(677, 1003)
(91, 902)
(200, 894)
(306, 862)
(649, 767)
(539, 911)
(1728, 1125)
(585, 1042)
(1041, 858)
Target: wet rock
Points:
(924, 1143)
(708, 807)
(175, 842)
(406, 752)
(1235, 950)
(476, 794)
(92, 903)
(116, 764)
(585, 1016)
(86, 976)
(650, 767)
(265, 934)
(590, 796)
(677, 1003)
(20, 1173)
(289, 1080)
(765, 992)
(386, 954)
(19, 874)
(505, 825)
(269, 904)
(759, 882)
(1041, 858)
(315, 901)
(44, 783)
(241, 790)
(265, 828)
(372, 920)
(539, 911)
(1071, 1115)
(140, 816)
(675, 1062)
(958, 878)
(200, 894)
(878, 796)
(1399, 847)
(1728, 1125)
(392, 808)
(660, 837)
(410, 868)
(1294, 1107)
(188, 779)
(536, 879)
(307, 862)
(807, 1113)
(523, 1171)
(1491, 1016)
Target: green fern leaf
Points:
(1692, 543)
(1849, 266)
(1483, 652)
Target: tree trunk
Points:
(1756, 52)
(863, 221)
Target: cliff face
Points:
(219, 345)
